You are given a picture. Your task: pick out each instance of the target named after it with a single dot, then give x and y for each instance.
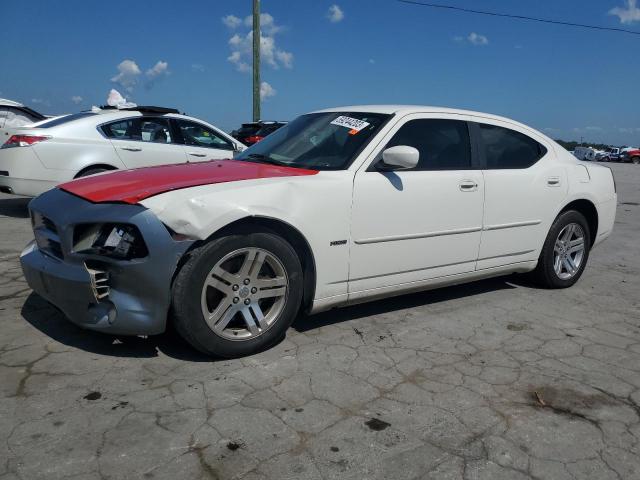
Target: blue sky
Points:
(61, 57)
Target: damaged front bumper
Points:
(125, 297)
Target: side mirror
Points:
(401, 157)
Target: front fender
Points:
(318, 207)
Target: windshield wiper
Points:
(259, 157)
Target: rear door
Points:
(145, 141)
(203, 143)
(524, 188)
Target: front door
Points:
(203, 143)
(414, 225)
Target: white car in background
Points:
(36, 158)
(13, 115)
(337, 207)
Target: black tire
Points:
(91, 171)
(188, 285)
(545, 274)
(635, 160)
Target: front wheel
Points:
(565, 252)
(237, 294)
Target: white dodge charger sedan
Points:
(35, 158)
(337, 207)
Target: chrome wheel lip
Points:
(569, 251)
(244, 294)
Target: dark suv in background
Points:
(253, 132)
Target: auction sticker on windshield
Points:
(350, 123)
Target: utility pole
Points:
(256, 60)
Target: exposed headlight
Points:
(120, 241)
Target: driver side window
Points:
(198, 135)
(443, 144)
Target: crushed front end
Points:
(106, 266)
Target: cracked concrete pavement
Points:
(491, 380)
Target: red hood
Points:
(131, 186)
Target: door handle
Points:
(468, 186)
(553, 181)
(131, 149)
(193, 154)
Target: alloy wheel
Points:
(568, 251)
(244, 293)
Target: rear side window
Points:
(507, 149)
(155, 130)
(443, 144)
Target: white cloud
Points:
(197, 67)
(267, 24)
(158, 70)
(231, 21)
(40, 101)
(629, 14)
(473, 38)
(236, 59)
(372, 61)
(266, 91)
(128, 74)
(593, 129)
(115, 98)
(76, 99)
(285, 58)
(335, 14)
(241, 46)
(477, 39)
(156, 73)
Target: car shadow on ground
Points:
(378, 307)
(14, 207)
(52, 323)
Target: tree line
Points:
(572, 145)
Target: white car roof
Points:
(10, 103)
(104, 116)
(408, 109)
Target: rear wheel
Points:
(565, 252)
(635, 160)
(91, 171)
(238, 294)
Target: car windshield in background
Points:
(65, 119)
(319, 141)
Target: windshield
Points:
(319, 141)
